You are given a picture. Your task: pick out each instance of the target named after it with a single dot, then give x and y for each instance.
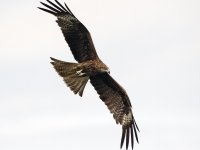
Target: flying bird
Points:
(90, 67)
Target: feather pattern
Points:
(117, 101)
(76, 34)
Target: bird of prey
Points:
(90, 67)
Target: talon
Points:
(80, 73)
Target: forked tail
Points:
(72, 75)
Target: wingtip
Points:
(69, 9)
(135, 131)
(42, 3)
(39, 8)
(46, 10)
(122, 137)
(127, 138)
(132, 137)
(129, 133)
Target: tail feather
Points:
(82, 87)
(68, 71)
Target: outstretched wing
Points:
(117, 101)
(75, 33)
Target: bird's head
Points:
(108, 71)
(105, 69)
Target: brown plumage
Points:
(90, 67)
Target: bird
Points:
(90, 67)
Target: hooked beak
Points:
(108, 71)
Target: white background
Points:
(152, 48)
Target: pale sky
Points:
(152, 48)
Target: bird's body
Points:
(90, 67)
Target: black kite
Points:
(90, 67)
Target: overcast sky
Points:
(152, 48)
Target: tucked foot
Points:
(80, 73)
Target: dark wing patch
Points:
(75, 33)
(117, 101)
